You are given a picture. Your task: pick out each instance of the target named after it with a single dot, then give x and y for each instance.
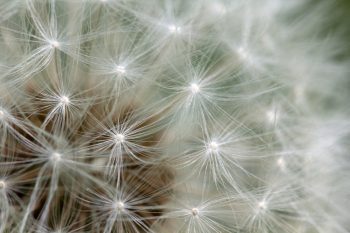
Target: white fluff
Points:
(174, 116)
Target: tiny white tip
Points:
(213, 146)
(120, 69)
(2, 114)
(272, 116)
(119, 138)
(194, 88)
(242, 52)
(262, 205)
(2, 184)
(281, 163)
(56, 157)
(54, 44)
(64, 100)
(174, 29)
(120, 205)
(195, 211)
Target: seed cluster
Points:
(173, 116)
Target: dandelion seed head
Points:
(177, 118)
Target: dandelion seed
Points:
(262, 205)
(281, 163)
(120, 69)
(56, 157)
(54, 44)
(242, 52)
(174, 29)
(195, 211)
(194, 88)
(272, 116)
(2, 184)
(64, 100)
(119, 138)
(213, 146)
(120, 206)
(2, 114)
